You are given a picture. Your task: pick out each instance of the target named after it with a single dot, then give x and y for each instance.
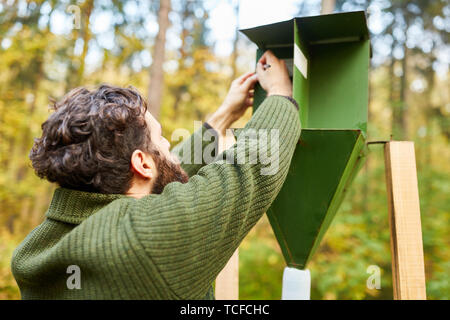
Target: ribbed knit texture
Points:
(167, 246)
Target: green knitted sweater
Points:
(167, 246)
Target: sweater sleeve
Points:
(191, 230)
(192, 151)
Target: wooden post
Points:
(408, 271)
(227, 282)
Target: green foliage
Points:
(261, 264)
(8, 287)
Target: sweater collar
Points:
(73, 206)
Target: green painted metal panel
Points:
(336, 46)
(330, 84)
(339, 86)
(354, 163)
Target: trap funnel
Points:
(328, 61)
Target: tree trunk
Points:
(86, 37)
(403, 95)
(327, 6)
(426, 165)
(156, 85)
(178, 90)
(429, 117)
(399, 104)
(393, 99)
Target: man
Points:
(128, 222)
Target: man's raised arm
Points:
(203, 143)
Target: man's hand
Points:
(273, 75)
(238, 99)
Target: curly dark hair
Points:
(88, 141)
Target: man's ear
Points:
(143, 165)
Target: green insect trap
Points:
(328, 61)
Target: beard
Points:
(168, 172)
